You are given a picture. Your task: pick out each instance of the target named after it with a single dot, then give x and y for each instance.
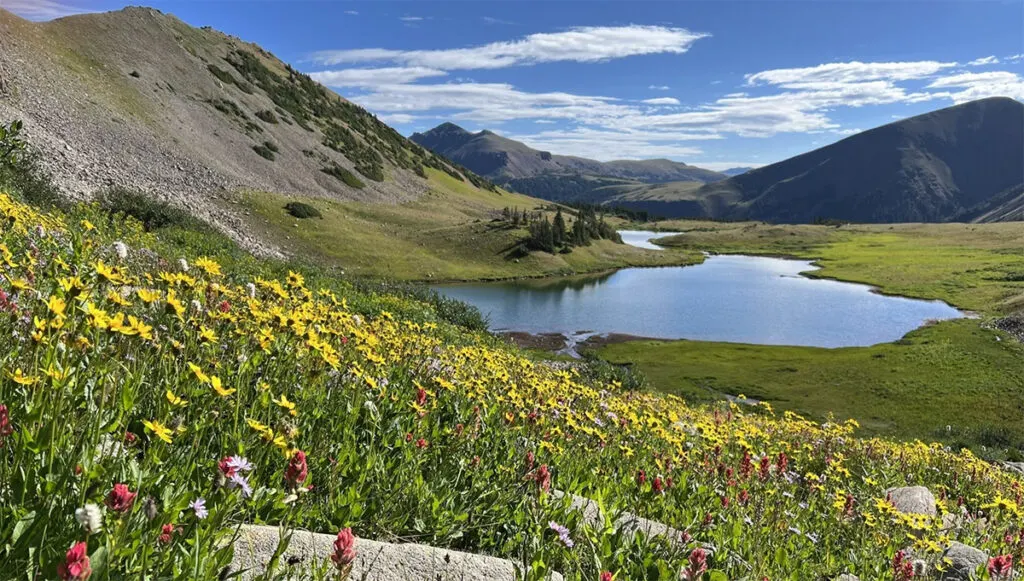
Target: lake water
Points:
(642, 238)
(741, 299)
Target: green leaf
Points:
(23, 524)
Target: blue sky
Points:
(716, 84)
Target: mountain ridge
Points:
(547, 175)
(959, 162)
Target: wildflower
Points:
(543, 478)
(605, 576)
(297, 469)
(22, 379)
(288, 405)
(90, 517)
(696, 566)
(250, 289)
(641, 477)
(198, 506)
(182, 265)
(902, 567)
(239, 481)
(159, 430)
(221, 391)
(166, 533)
(120, 498)
(76, 564)
(120, 250)
(563, 533)
(5, 423)
(421, 443)
(175, 400)
(1000, 567)
(344, 549)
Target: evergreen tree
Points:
(559, 229)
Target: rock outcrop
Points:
(376, 561)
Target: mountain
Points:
(538, 173)
(139, 98)
(735, 171)
(964, 162)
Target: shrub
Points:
(344, 175)
(271, 146)
(134, 74)
(154, 214)
(267, 116)
(264, 151)
(302, 211)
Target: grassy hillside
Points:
(151, 405)
(451, 233)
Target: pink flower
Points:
(166, 533)
(120, 499)
(1000, 567)
(6, 429)
(543, 478)
(344, 549)
(297, 469)
(698, 564)
(76, 564)
(606, 576)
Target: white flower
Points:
(183, 265)
(196, 306)
(920, 568)
(90, 517)
(121, 250)
(357, 320)
(251, 289)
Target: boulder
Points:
(375, 561)
(963, 561)
(913, 500)
(627, 522)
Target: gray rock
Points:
(376, 561)
(1017, 467)
(913, 500)
(964, 562)
(626, 521)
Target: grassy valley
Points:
(962, 374)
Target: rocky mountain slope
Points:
(959, 163)
(550, 176)
(141, 99)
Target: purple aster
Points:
(563, 533)
(239, 481)
(239, 464)
(199, 506)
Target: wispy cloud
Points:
(493, 20)
(583, 44)
(658, 87)
(1015, 57)
(988, 60)
(375, 77)
(971, 86)
(832, 74)
(410, 18)
(661, 101)
(42, 9)
(352, 12)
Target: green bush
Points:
(264, 151)
(344, 175)
(154, 214)
(267, 116)
(22, 172)
(271, 146)
(302, 211)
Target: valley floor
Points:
(961, 382)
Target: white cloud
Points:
(410, 18)
(582, 44)
(41, 9)
(661, 101)
(607, 145)
(658, 87)
(544, 121)
(399, 118)
(493, 20)
(374, 77)
(828, 75)
(974, 86)
(846, 132)
(988, 60)
(352, 12)
(1015, 57)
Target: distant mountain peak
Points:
(549, 175)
